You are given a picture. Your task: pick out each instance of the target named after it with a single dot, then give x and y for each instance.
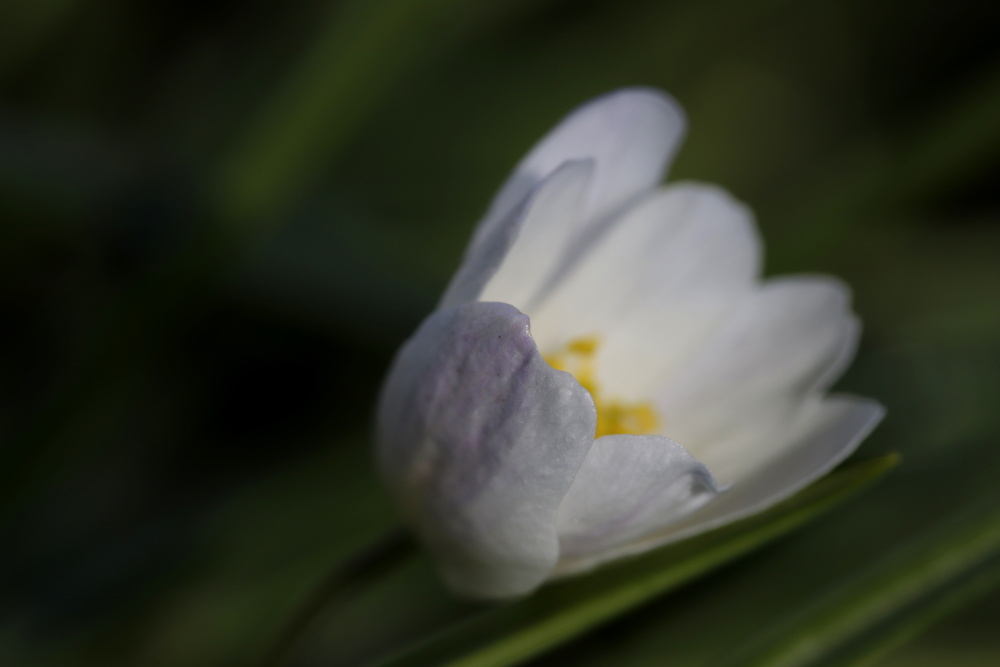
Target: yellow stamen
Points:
(577, 357)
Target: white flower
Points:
(607, 372)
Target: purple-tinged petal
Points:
(479, 440)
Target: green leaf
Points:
(513, 633)
(863, 619)
(920, 616)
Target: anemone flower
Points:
(607, 371)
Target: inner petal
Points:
(614, 417)
(659, 282)
(734, 403)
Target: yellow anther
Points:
(586, 346)
(613, 417)
(557, 361)
(635, 418)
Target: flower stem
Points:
(349, 578)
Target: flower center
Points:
(613, 417)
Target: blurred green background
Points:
(220, 218)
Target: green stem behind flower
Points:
(347, 580)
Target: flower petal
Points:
(628, 487)
(629, 136)
(837, 426)
(825, 432)
(786, 341)
(518, 255)
(479, 440)
(664, 276)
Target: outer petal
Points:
(629, 486)
(836, 427)
(630, 136)
(479, 440)
(730, 406)
(520, 249)
(660, 281)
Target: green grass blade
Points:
(881, 608)
(954, 143)
(510, 634)
(907, 626)
(355, 59)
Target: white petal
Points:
(629, 486)
(787, 340)
(662, 278)
(837, 426)
(824, 433)
(629, 136)
(479, 440)
(515, 261)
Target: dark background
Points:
(220, 218)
